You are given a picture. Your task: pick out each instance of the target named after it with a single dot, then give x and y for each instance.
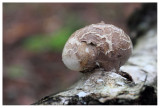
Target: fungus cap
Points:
(97, 45)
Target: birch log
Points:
(110, 88)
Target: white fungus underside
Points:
(71, 62)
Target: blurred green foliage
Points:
(56, 40)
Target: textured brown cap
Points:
(103, 45)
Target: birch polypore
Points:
(97, 45)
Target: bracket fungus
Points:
(97, 45)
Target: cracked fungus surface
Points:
(102, 44)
